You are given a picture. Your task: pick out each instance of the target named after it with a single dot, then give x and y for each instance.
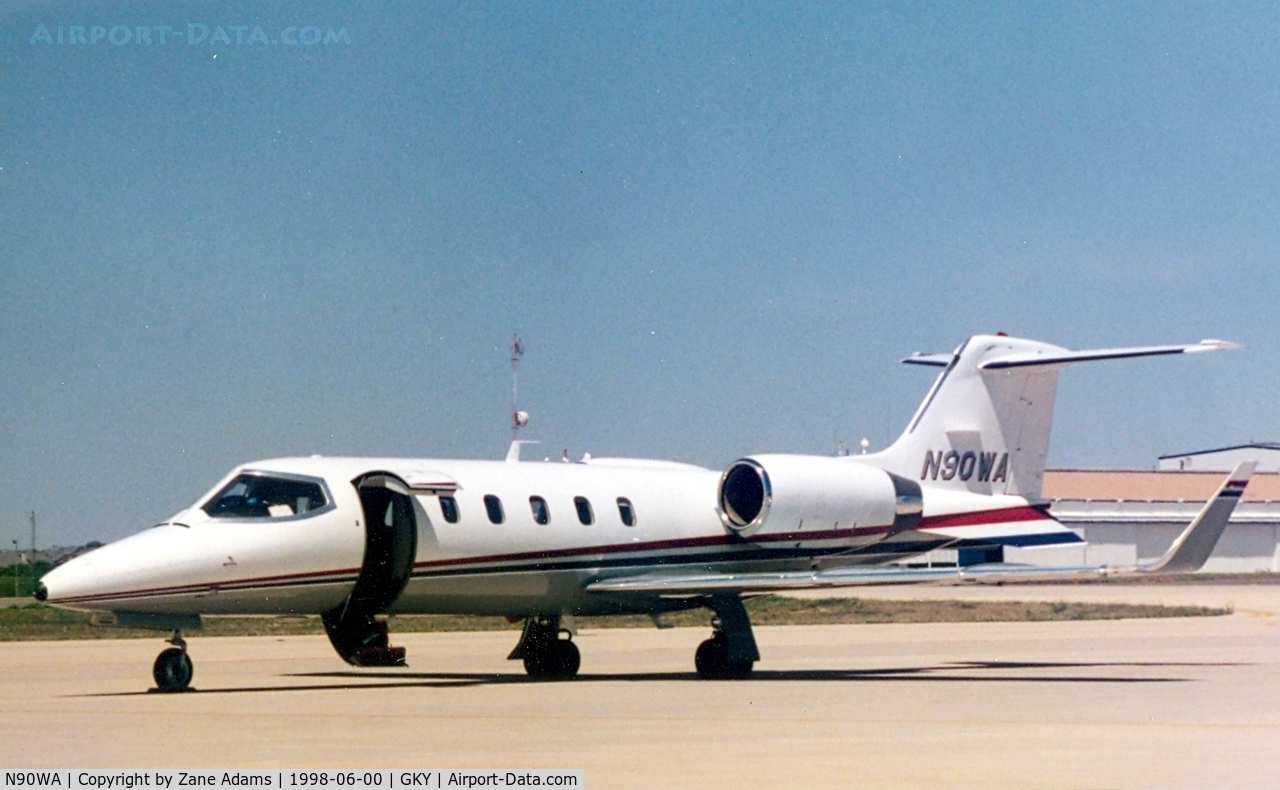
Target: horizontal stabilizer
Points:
(1037, 358)
(932, 360)
(1062, 356)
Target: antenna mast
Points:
(518, 418)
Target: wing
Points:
(1188, 553)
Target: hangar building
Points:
(1128, 517)
(1224, 459)
(1132, 516)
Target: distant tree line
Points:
(19, 580)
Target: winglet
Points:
(1189, 552)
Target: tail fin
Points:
(984, 426)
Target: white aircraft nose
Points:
(93, 579)
(71, 578)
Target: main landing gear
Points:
(173, 668)
(547, 656)
(731, 651)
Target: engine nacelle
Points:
(806, 493)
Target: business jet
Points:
(354, 540)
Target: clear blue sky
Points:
(717, 228)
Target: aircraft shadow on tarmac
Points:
(957, 672)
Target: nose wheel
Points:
(173, 669)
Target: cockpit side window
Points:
(264, 496)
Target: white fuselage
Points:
(309, 562)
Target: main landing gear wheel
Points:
(559, 661)
(546, 656)
(173, 668)
(731, 652)
(712, 661)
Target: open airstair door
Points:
(391, 538)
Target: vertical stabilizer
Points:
(984, 426)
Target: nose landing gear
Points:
(173, 668)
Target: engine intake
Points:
(804, 494)
(745, 493)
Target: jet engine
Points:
(803, 493)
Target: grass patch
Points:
(36, 621)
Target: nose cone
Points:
(72, 579)
(110, 575)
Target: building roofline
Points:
(1150, 485)
(1112, 471)
(1250, 445)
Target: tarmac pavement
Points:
(1158, 703)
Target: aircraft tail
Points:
(984, 426)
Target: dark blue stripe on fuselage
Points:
(1050, 539)
(884, 552)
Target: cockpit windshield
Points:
(264, 496)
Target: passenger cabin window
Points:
(449, 507)
(493, 506)
(539, 507)
(627, 512)
(584, 510)
(262, 496)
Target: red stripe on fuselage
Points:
(678, 543)
(982, 517)
(1005, 516)
(614, 548)
(229, 585)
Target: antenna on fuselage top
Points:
(519, 419)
